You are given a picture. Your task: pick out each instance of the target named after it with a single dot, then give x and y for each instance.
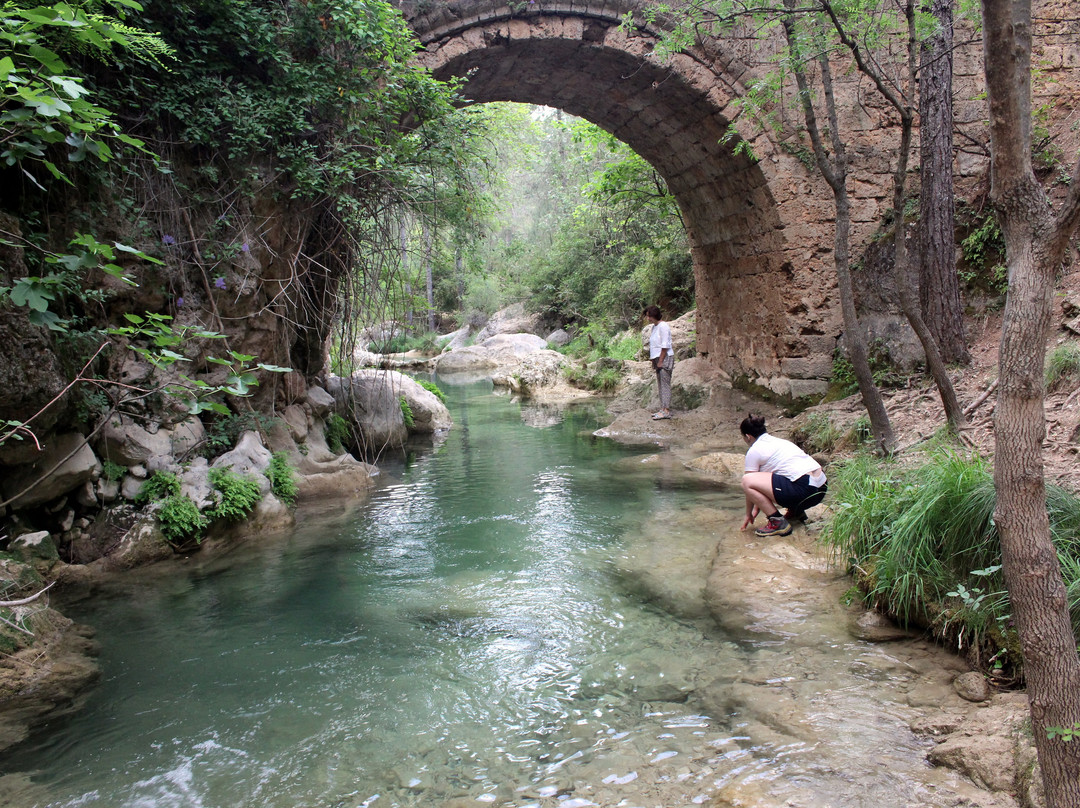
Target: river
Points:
(513, 618)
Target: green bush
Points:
(160, 485)
(406, 412)
(180, 519)
(922, 542)
(983, 253)
(282, 479)
(605, 380)
(431, 387)
(113, 472)
(338, 433)
(238, 495)
(1063, 364)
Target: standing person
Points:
(662, 358)
(777, 472)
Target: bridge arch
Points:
(764, 282)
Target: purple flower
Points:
(168, 240)
(179, 301)
(244, 247)
(219, 282)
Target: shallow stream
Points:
(515, 617)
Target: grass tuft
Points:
(922, 544)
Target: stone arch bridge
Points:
(760, 230)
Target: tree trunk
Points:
(1035, 244)
(939, 284)
(428, 281)
(834, 171)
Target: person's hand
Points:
(750, 517)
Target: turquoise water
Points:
(475, 634)
(457, 635)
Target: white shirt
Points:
(769, 453)
(659, 338)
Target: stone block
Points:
(64, 464)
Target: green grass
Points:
(922, 543)
(1063, 365)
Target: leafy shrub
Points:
(337, 433)
(406, 412)
(238, 495)
(843, 383)
(1063, 364)
(282, 479)
(431, 387)
(605, 380)
(923, 544)
(113, 472)
(983, 253)
(180, 519)
(159, 486)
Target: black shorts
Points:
(796, 494)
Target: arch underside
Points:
(593, 70)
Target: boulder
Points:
(972, 686)
(516, 345)
(558, 338)
(195, 484)
(142, 544)
(368, 401)
(511, 320)
(74, 462)
(123, 441)
(320, 401)
(728, 466)
(186, 435)
(428, 412)
(297, 421)
(250, 458)
(31, 547)
(537, 370)
(465, 360)
(457, 339)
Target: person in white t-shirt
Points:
(662, 358)
(777, 473)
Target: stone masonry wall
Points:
(761, 230)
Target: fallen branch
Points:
(985, 395)
(24, 601)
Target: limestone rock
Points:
(517, 345)
(71, 473)
(32, 547)
(250, 458)
(511, 320)
(195, 484)
(369, 402)
(464, 360)
(297, 421)
(142, 544)
(320, 401)
(972, 686)
(186, 435)
(558, 338)
(875, 627)
(537, 370)
(725, 465)
(123, 441)
(984, 748)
